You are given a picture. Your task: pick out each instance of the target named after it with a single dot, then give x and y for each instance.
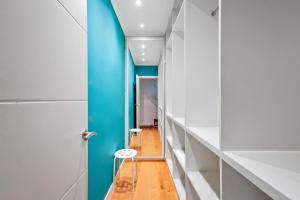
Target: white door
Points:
(137, 100)
(43, 100)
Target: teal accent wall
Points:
(106, 83)
(146, 70)
(131, 88)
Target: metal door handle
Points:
(87, 135)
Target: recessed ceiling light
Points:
(142, 25)
(138, 2)
(143, 46)
(143, 59)
(143, 53)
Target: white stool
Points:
(124, 154)
(136, 131)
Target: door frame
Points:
(127, 40)
(137, 96)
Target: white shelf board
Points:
(179, 188)
(208, 136)
(170, 165)
(180, 155)
(275, 173)
(180, 121)
(170, 140)
(201, 186)
(169, 115)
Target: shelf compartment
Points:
(180, 121)
(201, 187)
(179, 178)
(178, 137)
(170, 140)
(203, 164)
(275, 173)
(180, 156)
(169, 115)
(208, 136)
(179, 188)
(236, 186)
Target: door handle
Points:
(87, 135)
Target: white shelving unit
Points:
(232, 99)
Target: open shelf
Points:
(179, 121)
(208, 136)
(275, 173)
(170, 140)
(180, 188)
(180, 156)
(170, 165)
(202, 166)
(202, 188)
(179, 178)
(236, 186)
(178, 137)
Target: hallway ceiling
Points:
(143, 17)
(151, 52)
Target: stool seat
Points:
(125, 153)
(135, 130)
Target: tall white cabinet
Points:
(232, 121)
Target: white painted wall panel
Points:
(43, 54)
(78, 9)
(43, 154)
(260, 75)
(79, 190)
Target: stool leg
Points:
(114, 171)
(136, 168)
(141, 140)
(132, 161)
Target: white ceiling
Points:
(154, 15)
(152, 51)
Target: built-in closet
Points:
(232, 111)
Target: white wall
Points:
(43, 99)
(260, 75)
(148, 101)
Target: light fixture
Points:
(143, 53)
(143, 59)
(142, 25)
(138, 2)
(143, 46)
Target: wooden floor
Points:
(154, 180)
(151, 142)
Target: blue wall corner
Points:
(106, 103)
(146, 70)
(131, 78)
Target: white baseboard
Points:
(111, 187)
